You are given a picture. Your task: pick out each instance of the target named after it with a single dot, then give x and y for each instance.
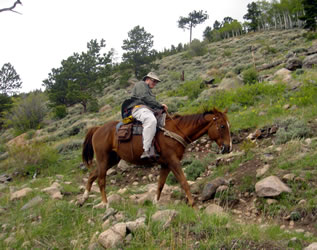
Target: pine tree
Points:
(310, 16)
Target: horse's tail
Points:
(88, 150)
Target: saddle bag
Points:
(124, 132)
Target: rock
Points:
(123, 165)
(288, 177)
(20, 194)
(312, 246)
(230, 83)
(111, 171)
(165, 216)
(114, 198)
(57, 196)
(135, 225)
(110, 212)
(293, 63)
(260, 172)
(5, 178)
(310, 61)
(273, 129)
(32, 203)
(214, 209)
(113, 236)
(271, 201)
(211, 187)
(222, 188)
(283, 75)
(270, 187)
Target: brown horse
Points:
(103, 142)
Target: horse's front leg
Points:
(175, 167)
(161, 182)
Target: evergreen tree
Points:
(9, 79)
(76, 81)
(310, 16)
(253, 15)
(194, 18)
(139, 53)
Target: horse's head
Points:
(219, 129)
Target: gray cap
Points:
(151, 75)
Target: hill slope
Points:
(274, 125)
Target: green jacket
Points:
(143, 95)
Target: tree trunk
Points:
(190, 36)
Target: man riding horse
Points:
(142, 106)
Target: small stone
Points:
(271, 201)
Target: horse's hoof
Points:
(101, 205)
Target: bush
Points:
(93, 106)
(250, 76)
(32, 158)
(310, 36)
(291, 128)
(27, 113)
(192, 89)
(60, 111)
(197, 48)
(194, 170)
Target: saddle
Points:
(125, 131)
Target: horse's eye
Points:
(214, 118)
(222, 126)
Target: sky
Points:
(49, 31)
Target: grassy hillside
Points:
(273, 125)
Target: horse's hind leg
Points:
(103, 165)
(92, 177)
(161, 182)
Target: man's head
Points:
(151, 79)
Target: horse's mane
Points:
(196, 117)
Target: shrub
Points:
(28, 113)
(60, 111)
(197, 48)
(250, 76)
(32, 158)
(291, 128)
(310, 36)
(192, 89)
(194, 170)
(93, 106)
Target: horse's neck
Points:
(191, 130)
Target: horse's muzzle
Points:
(225, 149)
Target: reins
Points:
(190, 141)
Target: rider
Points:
(143, 109)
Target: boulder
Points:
(283, 75)
(312, 246)
(211, 187)
(113, 236)
(230, 83)
(270, 187)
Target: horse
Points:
(102, 141)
